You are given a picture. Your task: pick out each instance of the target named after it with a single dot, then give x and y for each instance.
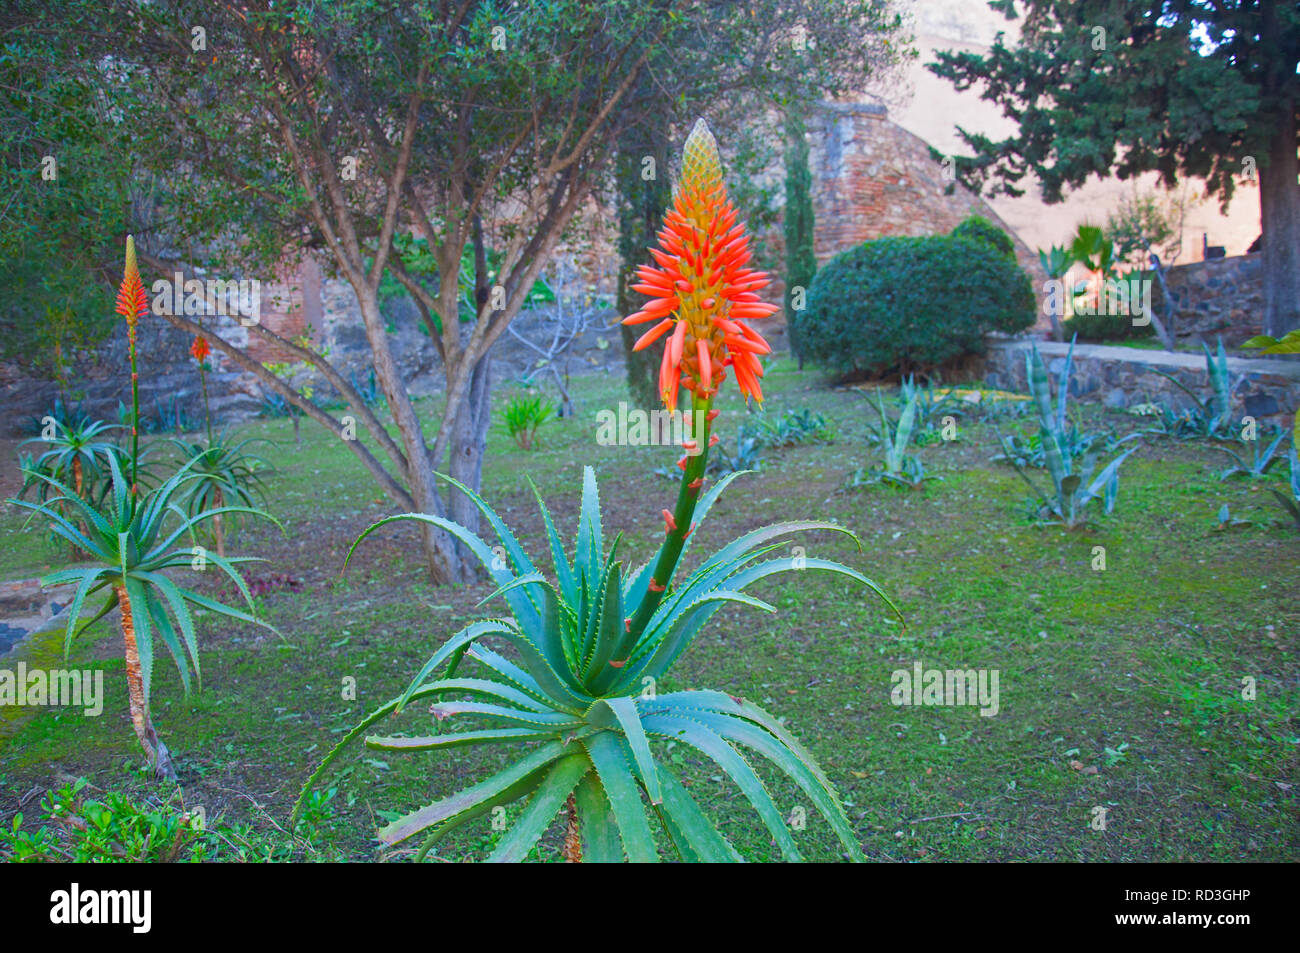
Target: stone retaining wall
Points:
(1217, 297)
(1267, 389)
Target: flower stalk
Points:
(132, 305)
(701, 295)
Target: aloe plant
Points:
(594, 640)
(77, 452)
(582, 695)
(131, 549)
(1073, 484)
(222, 472)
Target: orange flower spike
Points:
(200, 349)
(132, 302)
(701, 284)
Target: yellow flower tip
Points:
(701, 164)
(132, 268)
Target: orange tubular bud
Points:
(677, 343)
(654, 334)
(706, 365)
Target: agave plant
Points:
(1073, 484)
(1056, 262)
(593, 640)
(131, 549)
(1211, 417)
(221, 472)
(899, 467)
(1261, 460)
(1290, 500)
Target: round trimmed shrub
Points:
(912, 304)
(982, 230)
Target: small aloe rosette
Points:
(589, 642)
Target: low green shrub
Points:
(980, 229)
(905, 304)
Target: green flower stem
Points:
(683, 515)
(135, 422)
(203, 385)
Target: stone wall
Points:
(1267, 389)
(873, 178)
(1217, 297)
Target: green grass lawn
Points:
(1120, 688)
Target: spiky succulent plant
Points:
(593, 641)
(581, 702)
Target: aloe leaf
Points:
(84, 589)
(383, 711)
(706, 741)
(622, 712)
(821, 794)
(545, 803)
(534, 661)
(588, 545)
(607, 627)
(522, 607)
(563, 571)
(543, 719)
(442, 810)
(596, 823)
(456, 739)
(709, 700)
(689, 827)
(486, 688)
(162, 625)
(511, 672)
(656, 653)
(612, 766)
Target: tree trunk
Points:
(468, 444)
(217, 529)
(1279, 206)
(159, 758)
(572, 838)
(644, 194)
(78, 481)
(442, 560)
